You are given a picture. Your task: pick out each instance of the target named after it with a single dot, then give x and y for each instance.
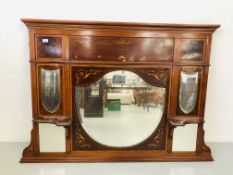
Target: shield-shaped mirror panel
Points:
(50, 89)
(188, 91)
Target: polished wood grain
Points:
(86, 50)
(97, 48)
(49, 23)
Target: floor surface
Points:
(113, 128)
(10, 154)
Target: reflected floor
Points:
(128, 121)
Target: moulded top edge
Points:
(72, 23)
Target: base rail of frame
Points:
(74, 157)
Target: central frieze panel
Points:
(122, 49)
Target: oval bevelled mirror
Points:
(119, 110)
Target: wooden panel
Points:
(93, 48)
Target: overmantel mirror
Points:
(114, 91)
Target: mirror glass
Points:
(185, 138)
(188, 91)
(49, 47)
(192, 50)
(120, 109)
(52, 138)
(50, 89)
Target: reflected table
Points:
(140, 93)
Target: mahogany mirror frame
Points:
(55, 44)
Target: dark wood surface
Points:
(93, 48)
(85, 51)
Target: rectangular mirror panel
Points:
(52, 138)
(192, 49)
(184, 138)
(49, 46)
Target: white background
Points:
(15, 94)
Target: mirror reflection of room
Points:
(120, 109)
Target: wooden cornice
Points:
(51, 23)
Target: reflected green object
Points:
(114, 105)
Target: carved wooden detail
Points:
(184, 121)
(85, 76)
(59, 121)
(157, 140)
(156, 77)
(122, 58)
(81, 140)
(122, 41)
